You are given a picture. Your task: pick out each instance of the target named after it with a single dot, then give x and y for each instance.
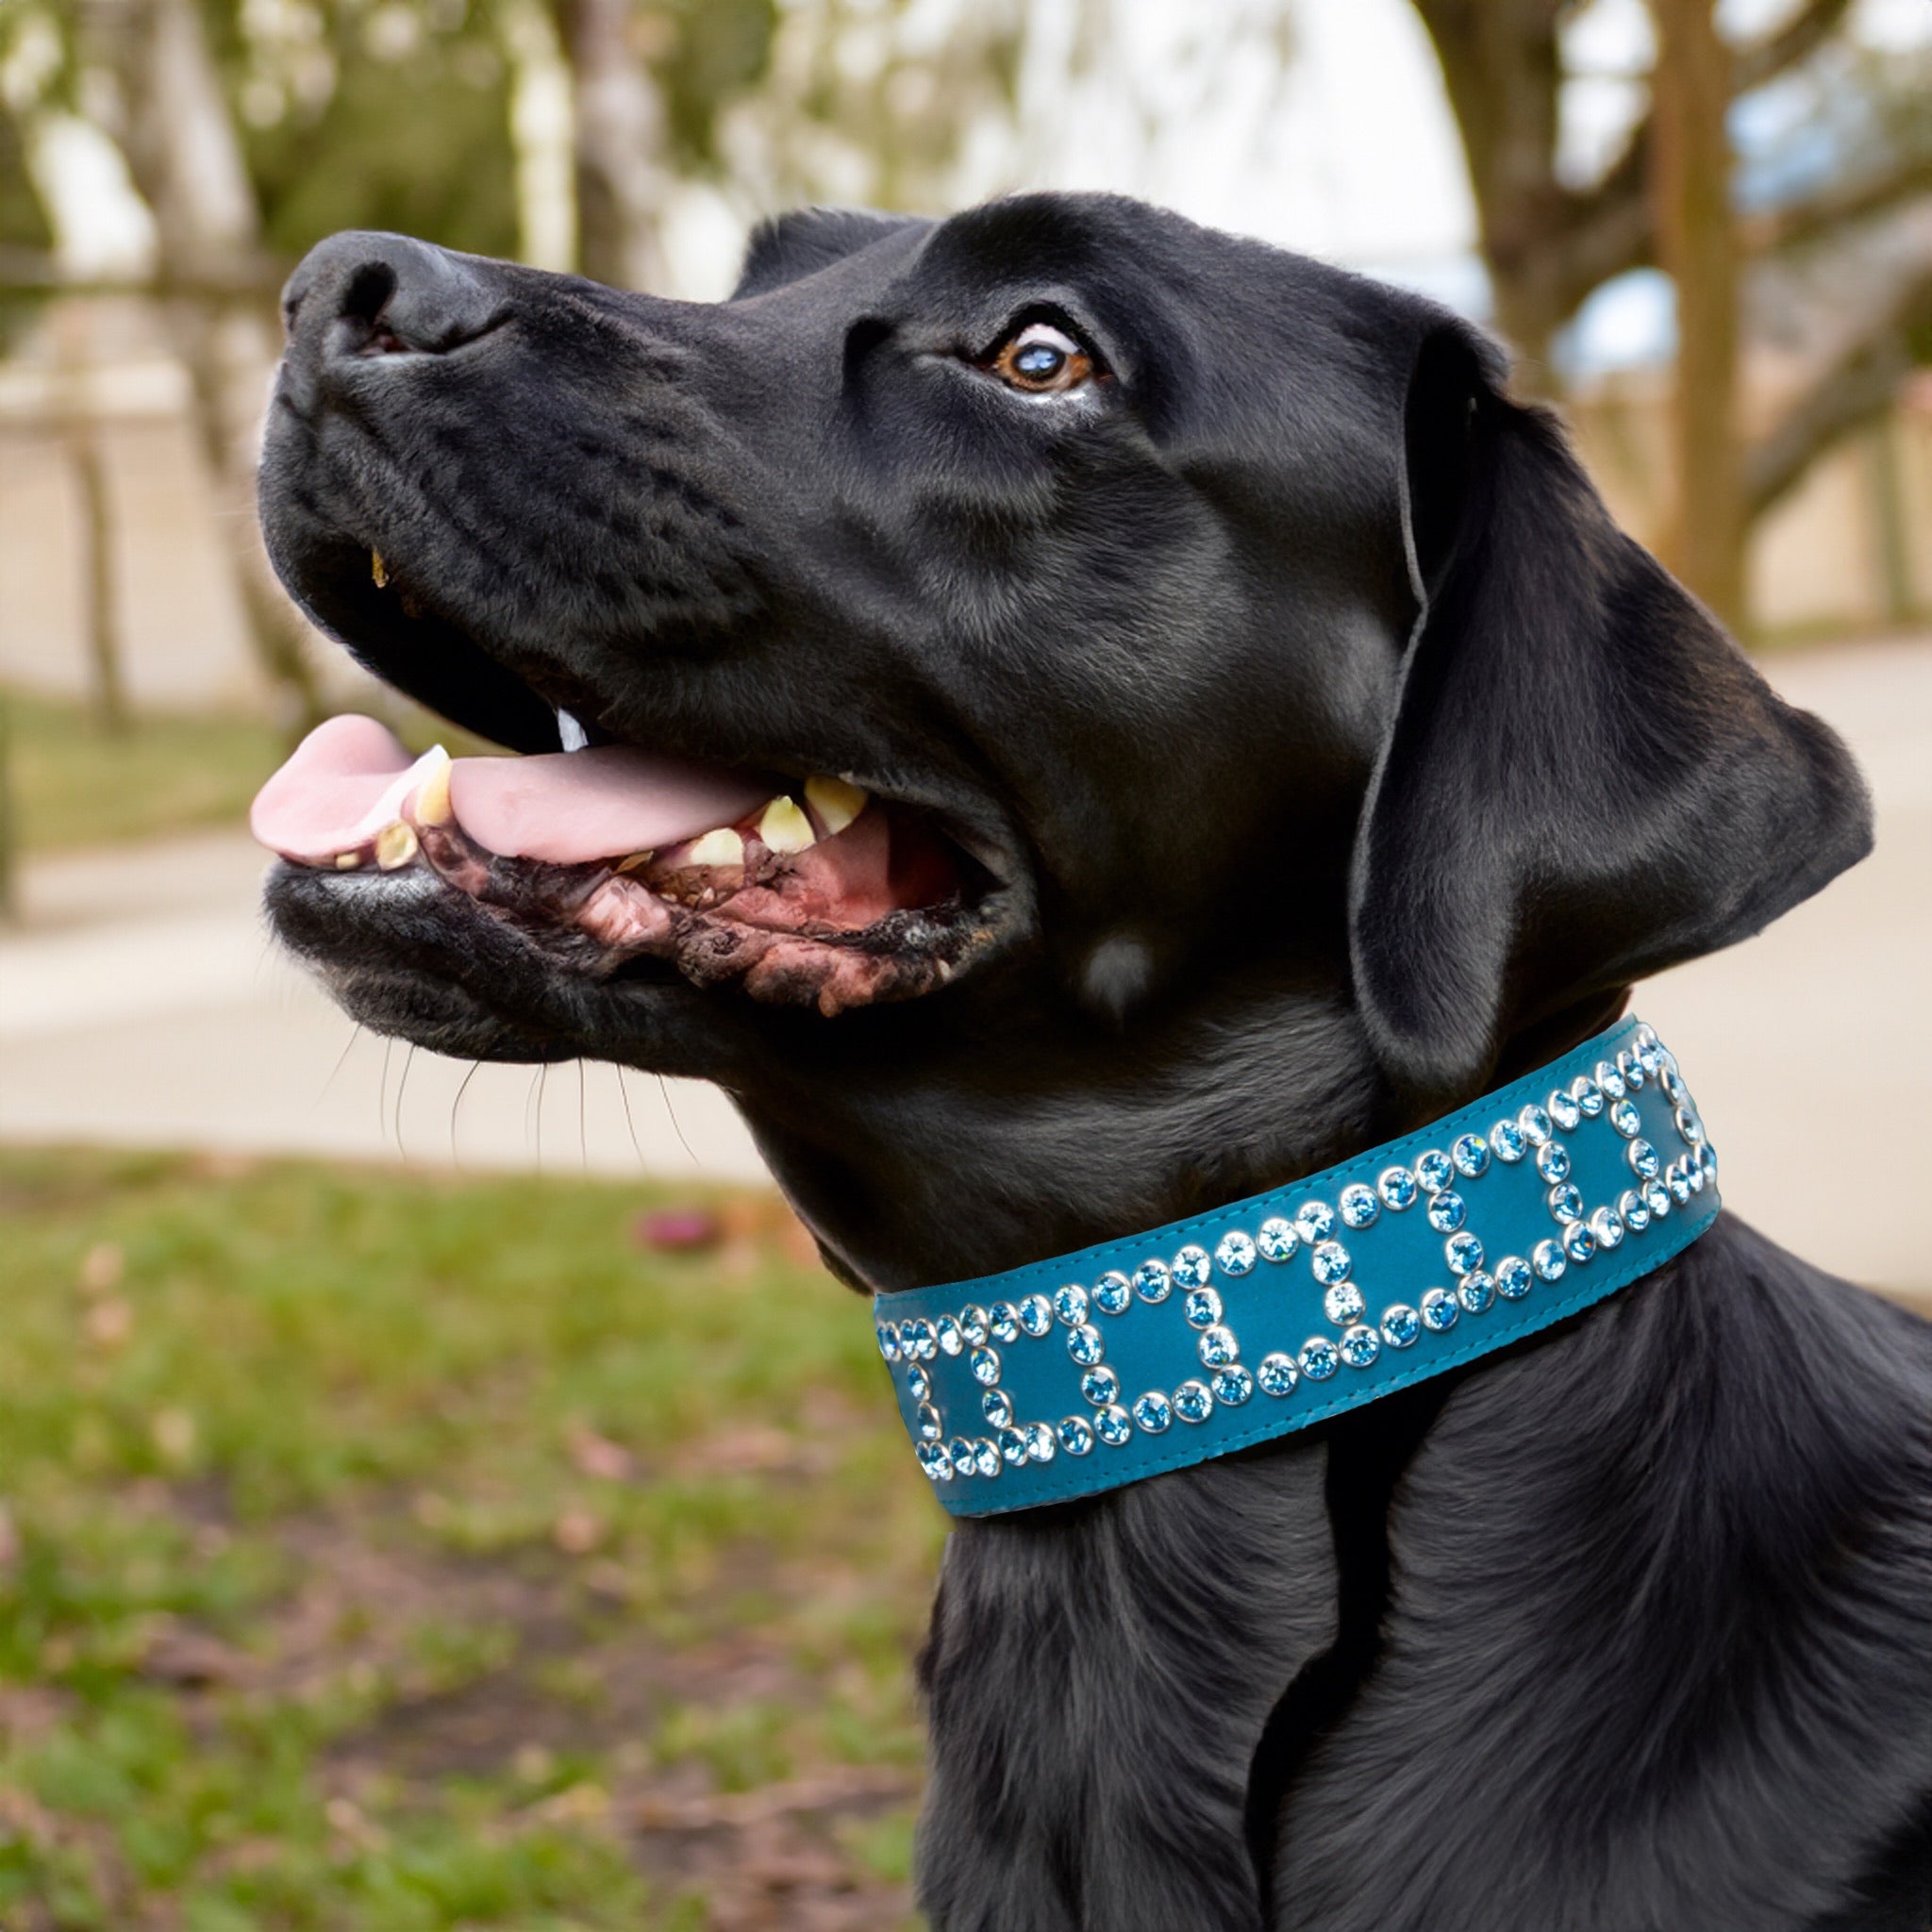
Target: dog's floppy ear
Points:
(786, 247)
(1584, 779)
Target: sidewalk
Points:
(172, 1020)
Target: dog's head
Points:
(1070, 673)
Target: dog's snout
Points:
(358, 295)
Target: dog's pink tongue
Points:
(351, 776)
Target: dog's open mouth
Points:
(806, 893)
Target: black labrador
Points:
(1270, 744)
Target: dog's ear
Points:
(786, 247)
(1583, 780)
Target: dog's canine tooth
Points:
(432, 797)
(395, 845)
(835, 801)
(785, 828)
(570, 734)
(723, 847)
(378, 570)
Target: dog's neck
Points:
(907, 1182)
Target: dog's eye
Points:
(1042, 361)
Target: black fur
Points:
(1337, 758)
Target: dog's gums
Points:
(610, 855)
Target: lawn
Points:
(386, 1553)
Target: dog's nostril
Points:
(369, 292)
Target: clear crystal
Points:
(1192, 1268)
(1401, 1324)
(1343, 1304)
(1361, 1345)
(1276, 1373)
(1535, 1124)
(1278, 1240)
(1624, 1118)
(1588, 1095)
(1607, 1227)
(1313, 1220)
(1331, 1262)
(1193, 1402)
(1235, 1254)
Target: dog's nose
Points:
(360, 294)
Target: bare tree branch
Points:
(1797, 40)
(1837, 205)
(1858, 387)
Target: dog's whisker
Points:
(342, 1061)
(456, 1106)
(630, 1123)
(402, 1086)
(382, 1091)
(676, 1125)
(583, 1139)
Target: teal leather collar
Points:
(1074, 1375)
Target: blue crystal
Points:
(1609, 1079)
(1566, 1203)
(1678, 1180)
(936, 1462)
(1276, 1373)
(1624, 1118)
(1193, 1402)
(1069, 1304)
(1358, 1206)
(1514, 1276)
(1440, 1308)
(1002, 1323)
(1464, 1254)
(1506, 1142)
(1076, 1438)
(1343, 1304)
(889, 1341)
(1233, 1386)
(1547, 1261)
(1535, 1124)
(1330, 1261)
(1588, 1095)
(1039, 1442)
(1635, 1210)
(1100, 1386)
(1113, 1294)
(1235, 1254)
(1689, 1128)
(1152, 1282)
(997, 1406)
(1114, 1427)
(986, 1457)
(1314, 1218)
(1014, 1445)
(1192, 1268)
(1218, 1347)
(1433, 1170)
(972, 1325)
(1673, 1084)
(1447, 1212)
(959, 1454)
(1085, 1345)
(1607, 1227)
(1476, 1293)
(1202, 1308)
(1277, 1240)
(950, 1337)
(1397, 1187)
(985, 1366)
(917, 1340)
(919, 1382)
(1359, 1346)
(1564, 1110)
(1319, 1360)
(1401, 1324)
(1705, 1157)
(1153, 1412)
(1578, 1242)
(930, 1426)
(1470, 1154)
(1644, 1160)
(1553, 1161)
(1631, 1068)
(1036, 1315)
(1657, 1197)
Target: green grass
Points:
(386, 1553)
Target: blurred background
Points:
(440, 1497)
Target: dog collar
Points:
(1074, 1375)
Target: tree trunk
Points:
(1697, 245)
(621, 178)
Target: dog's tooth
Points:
(635, 859)
(570, 734)
(835, 801)
(785, 828)
(432, 797)
(348, 861)
(395, 845)
(378, 570)
(723, 847)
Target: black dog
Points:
(1273, 745)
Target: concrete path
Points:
(144, 1006)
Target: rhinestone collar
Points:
(1077, 1374)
